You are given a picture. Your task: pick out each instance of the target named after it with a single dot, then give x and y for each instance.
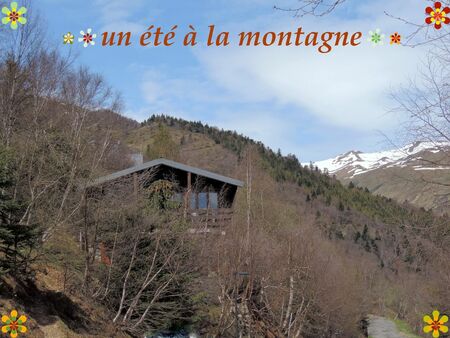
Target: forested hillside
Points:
(316, 184)
(399, 240)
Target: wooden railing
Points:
(210, 220)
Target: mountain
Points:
(417, 173)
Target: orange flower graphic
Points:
(396, 38)
(437, 15)
(14, 325)
(435, 324)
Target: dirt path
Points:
(380, 327)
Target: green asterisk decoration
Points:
(376, 37)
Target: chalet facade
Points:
(207, 198)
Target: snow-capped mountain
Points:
(418, 173)
(354, 163)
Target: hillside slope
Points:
(395, 240)
(195, 149)
(341, 249)
(347, 211)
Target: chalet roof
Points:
(168, 163)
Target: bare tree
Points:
(421, 33)
(82, 93)
(17, 50)
(425, 104)
(313, 7)
(144, 279)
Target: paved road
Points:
(380, 327)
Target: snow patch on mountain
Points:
(357, 163)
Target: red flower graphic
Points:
(437, 15)
(87, 38)
(396, 38)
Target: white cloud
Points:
(192, 99)
(348, 87)
(251, 89)
(120, 16)
(166, 93)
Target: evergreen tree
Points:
(17, 240)
(163, 145)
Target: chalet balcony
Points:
(210, 220)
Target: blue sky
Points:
(292, 98)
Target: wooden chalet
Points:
(207, 198)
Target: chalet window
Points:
(203, 200)
(213, 200)
(178, 197)
(193, 201)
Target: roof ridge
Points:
(169, 163)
